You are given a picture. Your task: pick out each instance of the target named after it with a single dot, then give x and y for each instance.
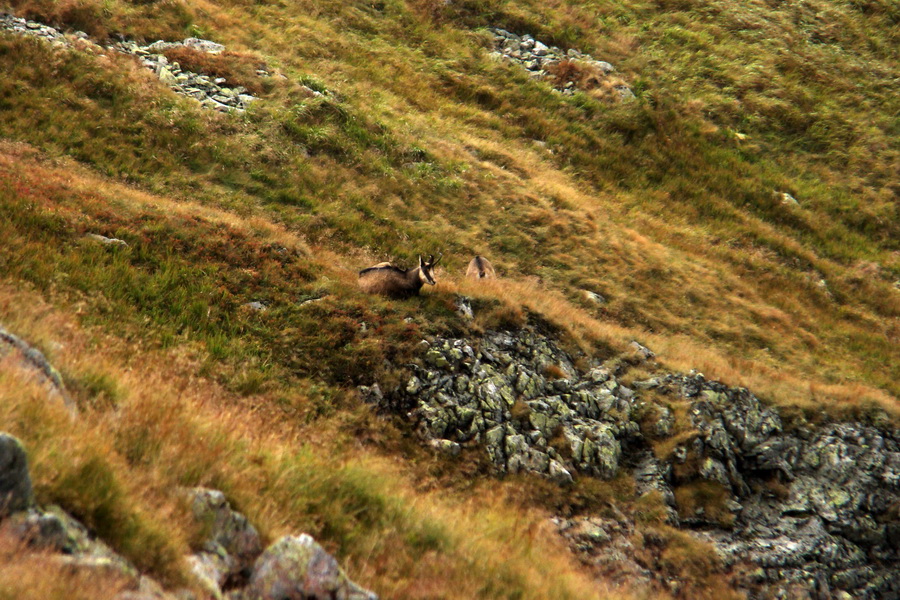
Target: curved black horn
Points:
(440, 256)
(431, 260)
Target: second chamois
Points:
(480, 268)
(388, 280)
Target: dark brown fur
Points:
(481, 268)
(388, 280)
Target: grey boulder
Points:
(32, 361)
(298, 568)
(230, 544)
(203, 45)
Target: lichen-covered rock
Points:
(15, 480)
(814, 505)
(39, 529)
(643, 351)
(522, 399)
(445, 447)
(652, 476)
(54, 530)
(833, 520)
(107, 241)
(203, 45)
(210, 572)
(607, 545)
(63, 538)
(231, 544)
(15, 351)
(298, 568)
(149, 589)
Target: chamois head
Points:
(426, 269)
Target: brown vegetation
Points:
(588, 78)
(706, 500)
(237, 68)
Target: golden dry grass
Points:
(29, 575)
(170, 429)
(775, 381)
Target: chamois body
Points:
(480, 268)
(388, 280)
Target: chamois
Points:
(480, 268)
(388, 280)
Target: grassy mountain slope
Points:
(668, 206)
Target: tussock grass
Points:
(145, 20)
(75, 467)
(25, 574)
(707, 496)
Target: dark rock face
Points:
(834, 526)
(814, 513)
(15, 481)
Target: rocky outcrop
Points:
(297, 568)
(52, 529)
(49, 529)
(230, 544)
(17, 352)
(520, 398)
(816, 508)
(231, 562)
(607, 545)
(541, 61)
(810, 512)
(39, 30)
(210, 92)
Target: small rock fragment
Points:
(594, 297)
(108, 241)
(645, 352)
